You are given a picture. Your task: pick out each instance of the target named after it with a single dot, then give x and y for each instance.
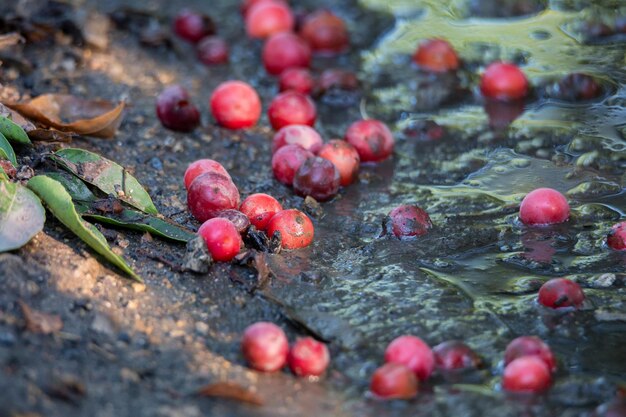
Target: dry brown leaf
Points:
(40, 322)
(67, 113)
(10, 39)
(231, 391)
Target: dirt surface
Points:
(131, 349)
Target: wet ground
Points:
(129, 349)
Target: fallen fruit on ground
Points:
(504, 81)
(286, 162)
(193, 26)
(325, 32)
(265, 347)
(260, 208)
(544, 206)
(210, 193)
(409, 221)
(317, 177)
(222, 238)
(527, 374)
(285, 50)
(394, 381)
(202, 166)
(302, 135)
(372, 139)
(616, 239)
(345, 158)
(175, 109)
(291, 108)
(412, 352)
(296, 229)
(455, 355)
(561, 292)
(235, 105)
(212, 50)
(529, 346)
(308, 357)
(296, 79)
(436, 55)
(266, 18)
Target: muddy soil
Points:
(131, 349)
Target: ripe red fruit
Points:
(453, 355)
(530, 346)
(412, 352)
(436, 55)
(296, 229)
(235, 105)
(210, 193)
(222, 239)
(561, 292)
(345, 158)
(308, 357)
(504, 81)
(265, 346)
(247, 4)
(325, 32)
(212, 50)
(291, 108)
(287, 160)
(296, 79)
(526, 374)
(544, 206)
(372, 139)
(285, 50)
(266, 18)
(237, 218)
(394, 381)
(260, 208)
(201, 166)
(408, 221)
(302, 135)
(317, 177)
(175, 109)
(193, 26)
(616, 239)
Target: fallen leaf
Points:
(10, 39)
(231, 391)
(39, 322)
(67, 113)
(21, 215)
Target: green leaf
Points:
(59, 202)
(107, 176)
(6, 150)
(77, 189)
(21, 215)
(13, 131)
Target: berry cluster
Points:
(200, 30)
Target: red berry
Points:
(302, 135)
(504, 81)
(561, 292)
(412, 352)
(337, 78)
(210, 193)
(296, 79)
(222, 239)
(176, 111)
(265, 346)
(235, 105)
(201, 166)
(291, 108)
(260, 208)
(317, 177)
(577, 86)
(308, 357)
(616, 239)
(237, 218)
(345, 157)
(325, 32)
(285, 50)
(502, 113)
(296, 229)
(287, 160)
(408, 221)
(193, 26)
(394, 381)
(212, 50)
(372, 139)
(454, 355)
(544, 206)
(266, 18)
(529, 346)
(436, 55)
(526, 374)
(247, 4)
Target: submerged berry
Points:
(337, 78)
(544, 206)
(527, 374)
(296, 79)
(561, 292)
(436, 55)
(408, 221)
(296, 229)
(317, 177)
(176, 111)
(291, 108)
(193, 26)
(529, 346)
(201, 166)
(504, 81)
(266, 18)
(325, 32)
(210, 193)
(578, 86)
(412, 352)
(308, 357)
(394, 381)
(286, 162)
(455, 355)
(260, 208)
(265, 346)
(222, 238)
(345, 157)
(372, 139)
(212, 50)
(616, 239)
(285, 50)
(235, 105)
(302, 135)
